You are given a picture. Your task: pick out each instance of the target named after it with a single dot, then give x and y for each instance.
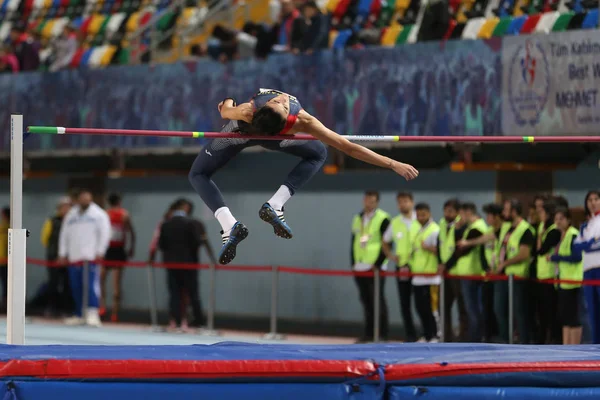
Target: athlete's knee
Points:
(197, 172)
(319, 152)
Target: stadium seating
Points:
(106, 26)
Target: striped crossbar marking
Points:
(301, 136)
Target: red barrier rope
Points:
(301, 271)
(247, 268)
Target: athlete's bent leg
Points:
(313, 154)
(212, 157)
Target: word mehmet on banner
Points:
(576, 98)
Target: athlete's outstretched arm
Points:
(309, 124)
(242, 112)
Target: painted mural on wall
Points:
(423, 89)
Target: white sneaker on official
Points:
(422, 340)
(93, 318)
(74, 321)
(434, 340)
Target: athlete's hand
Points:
(220, 106)
(406, 170)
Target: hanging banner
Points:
(550, 84)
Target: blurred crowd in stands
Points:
(30, 52)
(301, 28)
(99, 34)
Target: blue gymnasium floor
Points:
(125, 363)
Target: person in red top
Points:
(121, 225)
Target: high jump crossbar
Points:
(54, 130)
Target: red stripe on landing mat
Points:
(421, 371)
(170, 369)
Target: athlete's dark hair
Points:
(267, 121)
(454, 203)
(422, 206)
(114, 199)
(374, 193)
(404, 194)
(468, 206)
(6, 212)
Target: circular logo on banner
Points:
(528, 82)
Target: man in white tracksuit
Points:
(84, 237)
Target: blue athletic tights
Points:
(219, 152)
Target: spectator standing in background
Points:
(494, 220)
(84, 237)
(65, 48)
(152, 259)
(156, 234)
(24, 49)
(546, 296)
(180, 240)
(288, 22)
(4, 226)
(570, 267)
(367, 253)
(120, 227)
(470, 261)
(588, 242)
(194, 274)
(424, 236)
(398, 233)
(311, 32)
(451, 228)
(60, 299)
(533, 217)
(513, 251)
(8, 61)
(516, 249)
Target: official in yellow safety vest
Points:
(494, 220)
(570, 267)
(514, 256)
(546, 296)
(513, 249)
(423, 260)
(398, 235)
(451, 230)
(367, 254)
(470, 261)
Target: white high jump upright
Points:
(17, 236)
